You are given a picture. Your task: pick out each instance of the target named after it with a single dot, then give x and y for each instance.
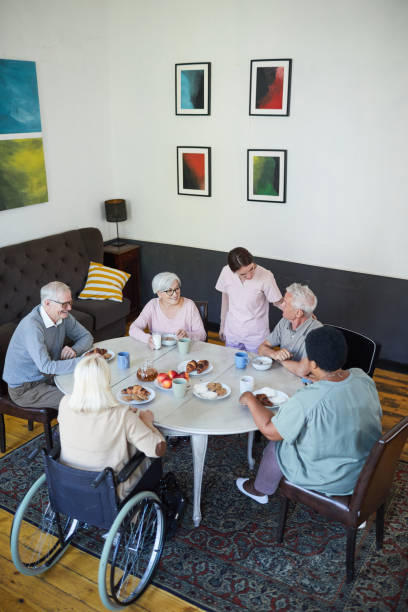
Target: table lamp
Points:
(115, 211)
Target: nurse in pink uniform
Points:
(168, 313)
(247, 289)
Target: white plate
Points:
(171, 342)
(135, 402)
(182, 368)
(276, 397)
(110, 353)
(262, 363)
(213, 399)
(158, 386)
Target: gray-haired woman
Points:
(169, 313)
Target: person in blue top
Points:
(321, 437)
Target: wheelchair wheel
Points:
(132, 551)
(34, 549)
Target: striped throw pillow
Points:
(104, 283)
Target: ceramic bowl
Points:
(262, 363)
(169, 339)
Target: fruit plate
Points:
(158, 386)
(109, 354)
(201, 394)
(274, 395)
(169, 339)
(182, 368)
(137, 402)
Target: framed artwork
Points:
(270, 87)
(193, 88)
(194, 171)
(267, 175)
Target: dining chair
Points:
(369, 495)
(39, 415)
(362, 351)
(203, 310)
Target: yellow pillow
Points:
(104, 283)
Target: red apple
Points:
(166, 383)
(172, 374)
(162, 376)
(185, 375)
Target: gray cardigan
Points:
(35, 351)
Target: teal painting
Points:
(19, 103)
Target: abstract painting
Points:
(193, 88)
(22, 173)
(19, 103)
(194, 171)
(267, 175)
(270, 87)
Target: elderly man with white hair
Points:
(290, 333)
(37, 349)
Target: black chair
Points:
(369, 495)
(203, 310)
(362, 351)
(63, 498)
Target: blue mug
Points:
(123, 360)
(241, 360)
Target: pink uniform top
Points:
(152, 316)
(247, 318)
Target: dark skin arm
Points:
(261, 416)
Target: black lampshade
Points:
(115, 210)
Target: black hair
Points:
(327, 347)
(239, 258)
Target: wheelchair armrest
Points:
(100, 477)
(130, 467)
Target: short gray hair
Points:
(302, 298)
(52, 290)
(164, 280)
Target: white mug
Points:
(246, 383)
(156, 340)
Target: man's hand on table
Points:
(68, 353)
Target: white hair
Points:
(302, 298)
(92, 392)
(164, 280)
(52, 290)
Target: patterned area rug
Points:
(232, 561)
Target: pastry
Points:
(218, 388)
(135, 393)
(191, 366)
(100, 351)
(264, 399)
(202, 365)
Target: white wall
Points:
(106, 85)
(346, 135)
(68, 42)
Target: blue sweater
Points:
(35, 351)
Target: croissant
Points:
(191, 366)
(202, 365)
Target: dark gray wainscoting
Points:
(373, 305)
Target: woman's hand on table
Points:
(246, 398)
(146, 416)
(181, 334)
(150, 342)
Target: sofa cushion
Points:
(103, 312)
(83, 318)
(104, 283)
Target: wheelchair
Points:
(64, 499)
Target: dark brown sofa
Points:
(26, 267)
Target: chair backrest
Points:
(71, 493)
(362, 351)
(203, 310)
(374, 482)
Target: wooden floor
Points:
(72, 583)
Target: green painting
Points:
(23, 180)
(266, 176)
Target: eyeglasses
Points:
(249, 271)
(171, 292)
(63, 304)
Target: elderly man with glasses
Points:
(37, 349)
